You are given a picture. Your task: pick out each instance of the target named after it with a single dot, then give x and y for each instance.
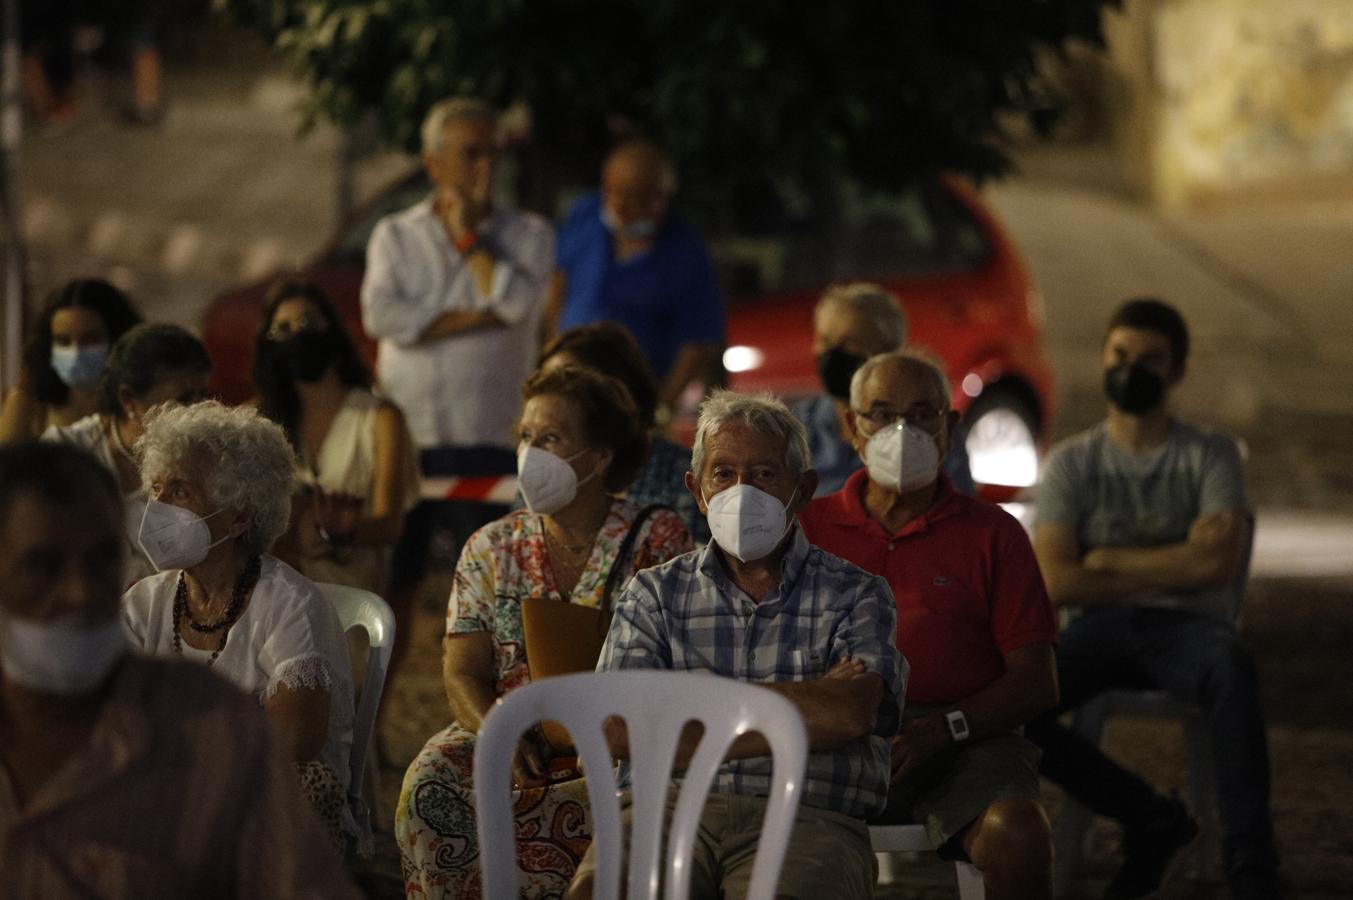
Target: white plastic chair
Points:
(357, 608)
(655, 706)
(889, 839)
(1090, 720)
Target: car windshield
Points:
(779, 242)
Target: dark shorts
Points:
(948, 793)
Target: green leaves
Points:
(741, 93)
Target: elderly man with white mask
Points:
(973, 619)
(761, 604)
(123, 776)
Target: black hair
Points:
(111, 305)
(610, 348)
(278, 398)
(1150, 314)
(61, 474)
(143, 357)
(609, 416)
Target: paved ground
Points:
(224, 192)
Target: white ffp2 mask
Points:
(746, 522)
(173, 537)
(60, 657)
(902, 457)
(547, 482)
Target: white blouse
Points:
(288, 635)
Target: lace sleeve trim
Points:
(310, 672)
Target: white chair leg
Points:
(971, 885)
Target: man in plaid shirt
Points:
(761, 604)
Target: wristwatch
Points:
(958, 725)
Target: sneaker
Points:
(1150, 850)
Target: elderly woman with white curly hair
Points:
(219, 481)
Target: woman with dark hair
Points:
(609, 348)
(149, 365)
(64, 358)
(579, 444)
(357, 473)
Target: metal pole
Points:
(11, 232)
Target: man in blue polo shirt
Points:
(624, 257)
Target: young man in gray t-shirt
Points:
(1143, 525)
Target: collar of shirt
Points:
(425, 211)
(791, 567)
(848, 508)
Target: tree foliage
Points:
(790, 90)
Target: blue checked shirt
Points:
(687, 614)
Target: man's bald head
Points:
(637, 180)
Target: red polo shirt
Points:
(967, 585)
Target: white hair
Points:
(453, 109)
(764, 412)
(910, 356)
(247, 463)
(879, 307)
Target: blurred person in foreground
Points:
(123, 776)
(580, 444)
(151, 364)
(607, 347)
(973, 620)
(64, 358)
(1142, 525)
(219, 481)
(625, 257)
(761, 604)
(851, 323)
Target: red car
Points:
(967, 295)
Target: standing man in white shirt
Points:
(454, 290)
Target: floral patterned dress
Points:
(502, 564)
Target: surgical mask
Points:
(547, 482)
(175, 538)
(60, 657)
(80, 367)
(1132, 388)
(902, 457)
(746, 522)
(836, 367)
(636, 230)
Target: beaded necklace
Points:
(243, 586)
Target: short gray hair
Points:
(879, 306)
(250, 465)
(764, 412)
(910, 356)
(452, 109)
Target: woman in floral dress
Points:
(580, 443)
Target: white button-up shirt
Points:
(465, 390)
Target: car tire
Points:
(1001, 436)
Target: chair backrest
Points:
(655, 705)
(357, 608)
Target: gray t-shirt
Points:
(1116, 498)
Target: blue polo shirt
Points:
(667, 297)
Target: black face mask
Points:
(835, 367)
(1133, 389)
(307, 354)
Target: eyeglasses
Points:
(280, 331)
(922, 415)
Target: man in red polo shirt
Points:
(973, 618)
